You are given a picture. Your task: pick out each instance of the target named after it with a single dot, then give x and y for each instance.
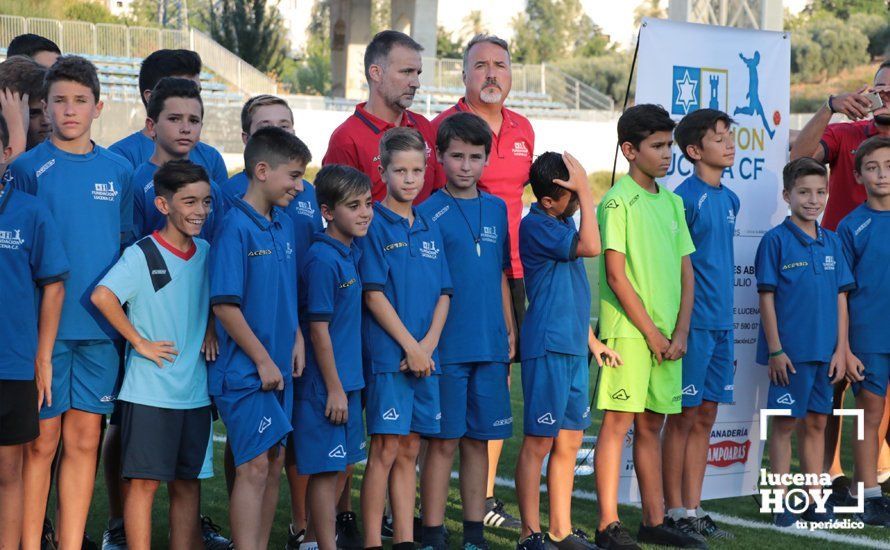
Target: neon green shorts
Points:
(640, 384)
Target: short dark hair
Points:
(273, 146)
(168, 87)
(641, 121)
(868, 147)
(692, 128)
(4, 133)
(73, 68)
(335, 183)
(22, 74)
(400, 138)
(30, 44)
(466, 127)
(255, 103)
(382, 43)
(882, 66)
(163, 63)
(800, 168)
(544, 170)
(175, 174)
(482, 38)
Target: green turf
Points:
(584, 512)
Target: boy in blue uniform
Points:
(706, 140)
(556, 337)
(139, 146)
(31, 258)
(863, 233)
(802, 278)
(407, 289)
(164, 405)
(330, 434)
(88, 192)
(478, 339)
(253, 291)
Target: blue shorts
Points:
(809, 390)
(475, 402)
(85, 377)
(877, 373)
(207, 467)
(255, 420)
(321, 446)
(708, 368)
(556, 393)
(400, 403)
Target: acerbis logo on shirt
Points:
(794, 265)
(428, 250)
(394, 246)
(104, 191)
(255, 253)
(490, 234)
(502, 422)
(862, 227)
(11, 240)
(347, 284)
(49, 164)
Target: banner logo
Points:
(726, 453)
(699, 88)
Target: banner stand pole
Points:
(630, 78)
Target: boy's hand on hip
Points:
(270, 376)
(779, 367)
(43, 377)
(337, 408)
(156, 352)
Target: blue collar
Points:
(255, 216)
(344, 250)
(393, 218)
(804, 239)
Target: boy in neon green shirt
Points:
(646, 296)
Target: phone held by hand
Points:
(875, 101)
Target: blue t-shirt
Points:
(475, 330)
(865, 234)
(147, 218)
(710, 214)
(236, 186)
(31, 256)
(253, 265)
(806, 276)
(331, 291)
(406, 263)
(91, 199)
(558, 315)
(138, 148)
(168, 298)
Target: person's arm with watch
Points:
(854, 105)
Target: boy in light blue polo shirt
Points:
(330, 434)
(253, 290)
(801, 275)
(164, 405)
(556, 337)
(407, 289)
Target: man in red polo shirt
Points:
(836, 144)
(392, 68)
(487, 80)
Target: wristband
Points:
(777, 353)
(830, 107)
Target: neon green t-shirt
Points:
(650, 230)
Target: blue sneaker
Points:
(810, 514)
(785, 519)
(876, 512)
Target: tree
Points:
(252, 29)
(312, 73)
(648, 8)
(446, 46)
(555, 29)
(845, 8)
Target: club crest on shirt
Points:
(428, 250)
(829, 263)
(730, 217)
(288, 251)
(104, 191)
(489, 233)
(520, 149)
(11, 240)
(304, 208)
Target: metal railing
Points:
(122, 41)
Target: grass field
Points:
(752, 529)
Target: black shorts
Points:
(517, 291)
(19, 421)
(163, 444)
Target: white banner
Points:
(746, 73)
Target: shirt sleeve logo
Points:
(11, 240)
(104, 191)
(611, 203)
(347, 284)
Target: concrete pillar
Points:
(350, 34)
(757, 14)
(418, 19)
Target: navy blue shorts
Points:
(322, 446)
(809, 390)
(399, 403)
(556, 394)
(708, 369)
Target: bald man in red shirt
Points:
(392, 68)
(487, 80)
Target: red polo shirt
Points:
(356, 143)
(507, 171)
(839, 143)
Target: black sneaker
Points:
(48, 536)
(535, 541)
(841, 485)
(212, 535)
(577, 540)
(88, 543)
(348, 535)
(418, 529)
(811, 515)
(615, 537)
(294, 539)
(685, 526)
(386, 531)
(497, 516)
(668, 534)
(114, 537)
(876, 511)
(706, 527)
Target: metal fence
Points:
(137, 42)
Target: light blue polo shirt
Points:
(91, 200)
(558, 315)
(865, 234)
(31, 256)
(253, 265)
(331, 291)
(407, 263)
(138, 148)
(474, 331)
(168, 297)
(710, 215)
(806, 276)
